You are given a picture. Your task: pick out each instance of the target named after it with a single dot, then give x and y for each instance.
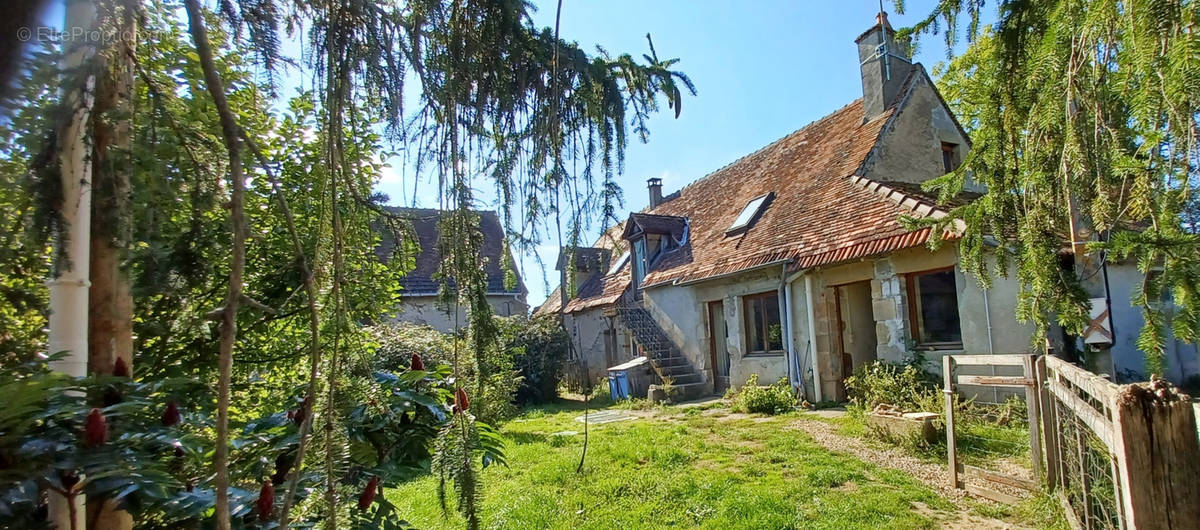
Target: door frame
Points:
(844, 359)
(720, 383)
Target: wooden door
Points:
(718, 346)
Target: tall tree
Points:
(1085, 116)
(72, 214)
(232, 135)
(110, 296)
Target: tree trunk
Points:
(69, 281)
(233, 143)
(110, 301)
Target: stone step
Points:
(672, 360)
(675, 369)
(689, 391)
(685, 379)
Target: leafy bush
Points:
(539, 352)
(148, 443)
(905, 386)
(395, 344)
(525, 367)
(774, 399)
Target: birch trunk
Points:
(69, 282)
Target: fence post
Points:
(1033, 408)
(1158, 456)
(1049, 424)
(951, 450)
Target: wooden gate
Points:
(1116, 456)
(990, 484)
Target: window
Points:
(949, 156)
(749, 213)
(933, 309)
(618, 264)
(639, 262)
(764, 331)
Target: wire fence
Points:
(992, 435)
(1087, 472)
(1116, 456)
(1081, 445)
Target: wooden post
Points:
(1033, 408)
(951, 450)
(1048, 424)
(1158, 456)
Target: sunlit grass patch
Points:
(677, 468)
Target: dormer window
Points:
(751, 212)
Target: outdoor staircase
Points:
(668, 362)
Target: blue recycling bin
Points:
(618, 384)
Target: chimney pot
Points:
(655, 187)
(881, 19)
(884, 65)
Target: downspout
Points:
(812, 338)
(790, 353)
(987, 316)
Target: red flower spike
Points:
(460, 400)
(266, 501)
(171, 416)
(120, 368)
(368, 494)
(301, 413)
(416, 363)
(95, 429)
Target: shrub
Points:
(539, 352)
(905, 386)
(774, 399)
(396, 342)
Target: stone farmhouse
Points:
(419, 304)
(791, 262)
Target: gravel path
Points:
(932, 474)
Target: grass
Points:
(682, 468)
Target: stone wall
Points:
(426, 311)
(681, 311)
(587, 330)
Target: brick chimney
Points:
(655, 186)
(884, 65)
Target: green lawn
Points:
(681, 468)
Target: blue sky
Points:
(762, 69)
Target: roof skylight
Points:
(618, 264)
(749, 213)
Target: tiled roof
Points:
(821, 213)
(598, 289)
(587, 258)
(655, 224)
(420, 282)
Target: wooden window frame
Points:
(764, 329)
(914, 317)
(949, 164)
